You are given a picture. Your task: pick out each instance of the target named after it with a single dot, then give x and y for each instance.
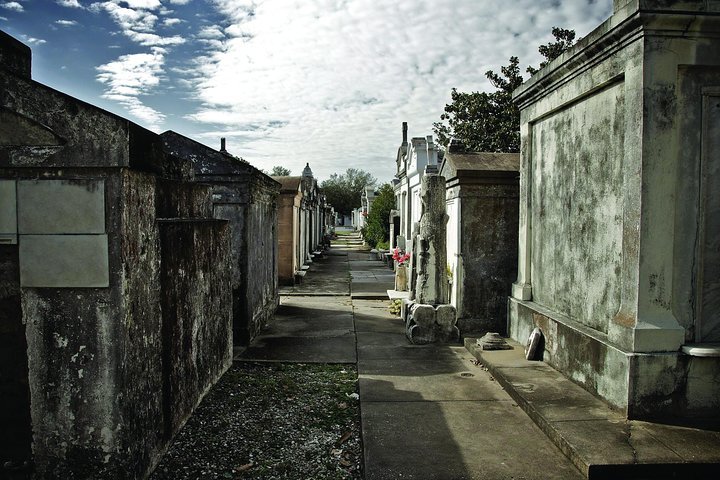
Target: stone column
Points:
(428, 318)
(431, 284)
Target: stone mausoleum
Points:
(482, 206)
(247, 199)
(304, 220)
(620, 210)
(412, 159)
(117, 275)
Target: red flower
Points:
(400, 257)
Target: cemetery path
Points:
(427, 412)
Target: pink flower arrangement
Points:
(400, 257)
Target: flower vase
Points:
(401, 278)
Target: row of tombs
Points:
(603, 232)
(125, 261)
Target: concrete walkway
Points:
(442, 412)
(428, 412)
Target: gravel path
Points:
(272, 421)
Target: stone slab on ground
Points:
(378, 319)
(444, 380)
(326, 276)
(429, 412)
(601, 442)
(308, 330)
(305, 349)
(369, 278)
(457, 440)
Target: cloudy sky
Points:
(327, 82)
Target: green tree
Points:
(343, 191)
(564, 39)
(490, 121)
(486, 122)
(377, 228)
(279, 171)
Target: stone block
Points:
(431, 324)
(445, 315)
(8, 212)
(61, 206)
(64, 261)
(423, 315)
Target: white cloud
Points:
(69, 3)
(334, 79)
(129, 18)
(212, 31)
(137, 21)
(150, 39)
(169, 22)
(32, 40)
(132, 76)
(145, 4)
(14, 6)
(66, 23)
(179, 2)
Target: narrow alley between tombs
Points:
(331, 388)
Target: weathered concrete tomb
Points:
(412, 159)
(247, 199)
(303, 222)
(482, 207)
(620, 210)
(119, 261)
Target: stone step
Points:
(602, 443)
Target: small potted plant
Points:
(401, 259)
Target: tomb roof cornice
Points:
(635, 20)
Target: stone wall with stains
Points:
(247, 199)
(619, 218)
(482, 202)
(262, 257)
(489, 251)
(126, 329)
(14, 388)
(196, 318)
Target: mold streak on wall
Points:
(14, 389)
(709, 249)
(577, 199)
(195, 292)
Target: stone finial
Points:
(222, 145)
(404, 130)
(307, 172)
(492, 341)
